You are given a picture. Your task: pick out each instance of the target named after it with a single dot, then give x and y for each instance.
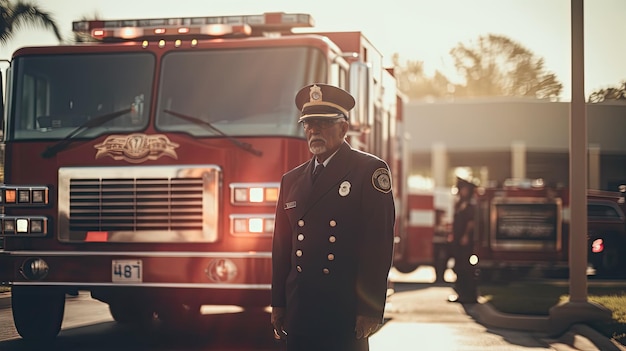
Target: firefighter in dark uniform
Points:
(333, 235)
(462, 245)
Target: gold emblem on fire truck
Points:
(136, 148)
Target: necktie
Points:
(316, 172)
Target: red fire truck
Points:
(144, 166)
(522, 228)
(427, 232)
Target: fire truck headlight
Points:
(39, 196)
(34, 269)
(240, 195)
(221, 270)
(23, 195)
(252, 224)
(10, 196)
(256, 225)
(37, 226)
(269, 225)
(22, 225)
(271, 194)
(254, 194)
(9, 226)
(240, 225)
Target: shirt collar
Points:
(327, 160)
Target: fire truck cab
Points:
(143, 164)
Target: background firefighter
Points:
(463, 229)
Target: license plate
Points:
(126, 271)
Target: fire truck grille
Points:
(135, 204)
(138, 204)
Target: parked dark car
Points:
(606, 234)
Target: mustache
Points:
(313, 139)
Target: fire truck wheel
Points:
(131, 313)
(405, 268)
(180, 316)
(37, 312)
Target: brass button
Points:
(333, 223)
(331, 257)
(299, 253)
(299, 269)
(326, 271)
(300, 223)
(332, 239)
(300, 237)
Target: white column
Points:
(518, 160)
(594, 166)
(439, 162)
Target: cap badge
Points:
(315, 93)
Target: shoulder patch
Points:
(381, 180)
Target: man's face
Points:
(325, 135)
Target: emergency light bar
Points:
(216, 26)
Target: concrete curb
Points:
(580, 336)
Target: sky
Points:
(417, 30)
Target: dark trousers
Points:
(344, 342)
(441, 254)
(466, 281)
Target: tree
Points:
(16, 15)
(80, 37)
(498, 66)
(413, 82)
(612, 93)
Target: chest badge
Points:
(344, 188)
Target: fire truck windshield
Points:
(242, 91)
(55, 94)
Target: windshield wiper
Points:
(209, 126)
(100, 120)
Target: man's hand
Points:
(278, 316)
(366, 326)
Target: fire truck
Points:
(143, 165)
(522, 230)
(427, 231)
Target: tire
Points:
(180, 316)
(131, 313)
(37, 312)
(405, 267)
(611, 264)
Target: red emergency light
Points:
(214, 26)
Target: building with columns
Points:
(499, 139)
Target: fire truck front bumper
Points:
(215, 278)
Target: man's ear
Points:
(344, 128)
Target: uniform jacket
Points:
(333, 243)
